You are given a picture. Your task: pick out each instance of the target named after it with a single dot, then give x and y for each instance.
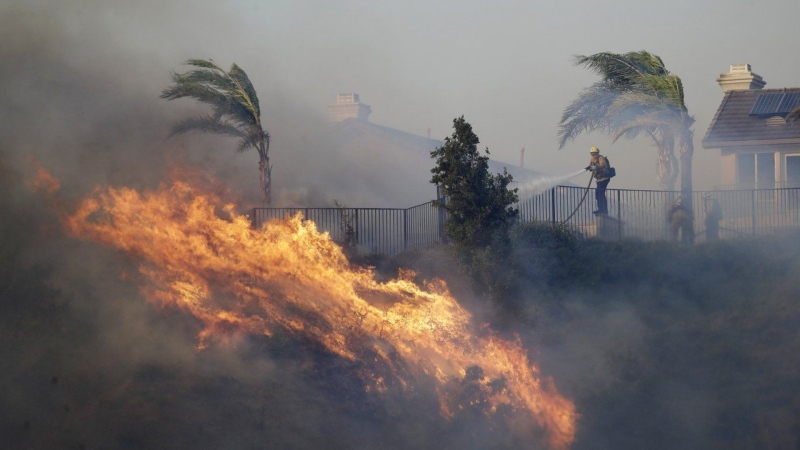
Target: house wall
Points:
(727, 172)
(728, 163)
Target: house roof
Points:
(352, 129)
(736, 123)
(386, 166)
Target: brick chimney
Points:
(740, 78)
(347, 106)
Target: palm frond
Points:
(204, 63)
(211, 78)
(626, 71)
(200, 92)
(647, 62)
(633, 103)
(668, 88)
(588, 112)
(253, 140)
(207, 124)
(245, 144)
(246, 92)
(652, 125)
(615, 69)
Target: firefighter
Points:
(602, 176)
(713, 216)
(680, 220)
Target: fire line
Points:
(239, 280)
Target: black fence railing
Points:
(374, 230)
(643, 214)
(638, 214)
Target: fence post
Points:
(253, 222)
(619, 215)
(753, 209)
(440, 210)
(355, 227)
(405, 229)
(553, 204)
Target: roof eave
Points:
(750, 143)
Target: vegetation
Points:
(661, 346)
(349, 236)
(636, 95)
(479, 205)
(236, 111)
(697, 346)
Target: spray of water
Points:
(540, 185)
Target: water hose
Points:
(582, 199)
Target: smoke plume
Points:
(85, 362)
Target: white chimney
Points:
(347, 106)
(740, 78)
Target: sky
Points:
(507, 67)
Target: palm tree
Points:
(636, 95)
(236, 111)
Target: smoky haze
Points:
(84, 360)
(86, 363)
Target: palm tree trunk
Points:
(666, 168)
(687, 151)
(264, 169)
(666, 163)
(265, 179)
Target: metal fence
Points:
(643, 214)
(639, 214)
(373, 230)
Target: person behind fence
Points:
(713, 212)
(680, 220)
(603, 172)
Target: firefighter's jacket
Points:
(678, 213)
(601, 168)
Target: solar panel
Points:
(771, 104)
(766, 104)
(789, 102)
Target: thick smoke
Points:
(86, 362)
(81, 93)
(688, 356)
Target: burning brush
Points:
(238, 280)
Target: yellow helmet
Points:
(594, 150)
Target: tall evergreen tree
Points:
(479, 204)
(236, 111)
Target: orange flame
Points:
(237, 279)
